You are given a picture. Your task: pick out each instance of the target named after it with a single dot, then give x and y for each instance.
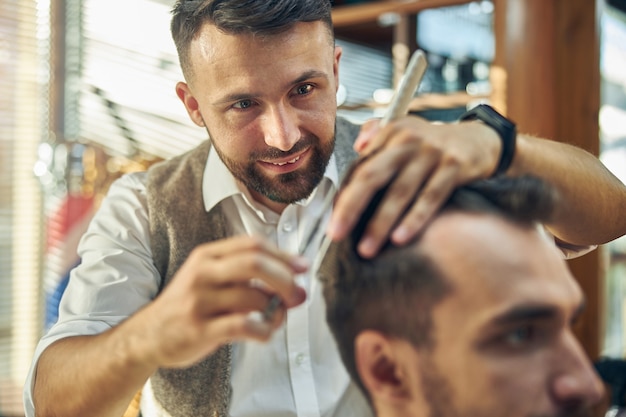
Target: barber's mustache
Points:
(274, 153)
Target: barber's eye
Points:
(243, 104)
(304, 89)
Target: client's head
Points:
(473, 318)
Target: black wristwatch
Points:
(503, 126)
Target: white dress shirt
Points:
(297, 373)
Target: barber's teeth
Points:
(280, 164)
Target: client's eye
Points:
(519, 336)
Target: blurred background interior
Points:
(87, 94)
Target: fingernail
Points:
(358, 144)
(300, 263)
(298, 296)
(367, 247)
(361, 141)
(364, 136)
(255, 317)
(257, 323)
(334, 230)
(401, 235)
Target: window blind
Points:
(22, 115)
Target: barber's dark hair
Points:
(257, 17)
(394, 293)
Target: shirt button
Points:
(300, 359)
(287, 227)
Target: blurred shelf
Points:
(430, 101)
(363, 13)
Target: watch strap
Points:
(504, 127)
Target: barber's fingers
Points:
(384, 153)
(211, 334)
(226, 247)
(243, 261)
(192, 319)
(411, 199)
(365, 180)
(433, 195)
(423, 163)
(368, 132)
(239, 327)
(237, 299)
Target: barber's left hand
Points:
(424, 161)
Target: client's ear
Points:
(384, 365)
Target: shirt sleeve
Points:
(116, 276)
(574, 251)
(569, 251)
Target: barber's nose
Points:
(280, 126)
(576, 381)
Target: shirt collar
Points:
(218, 183)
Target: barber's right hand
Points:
(210, 300)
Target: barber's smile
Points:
(287, 164)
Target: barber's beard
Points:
(285, 188)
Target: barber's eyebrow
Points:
(307, 75)
(534, 312)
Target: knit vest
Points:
(178, 223)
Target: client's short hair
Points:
(395, 291)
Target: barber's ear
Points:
(191, 104)
(383, 366)
(338, 52)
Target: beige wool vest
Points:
(178, 223)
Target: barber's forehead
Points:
(211, 39)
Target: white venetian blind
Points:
(22, 109)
